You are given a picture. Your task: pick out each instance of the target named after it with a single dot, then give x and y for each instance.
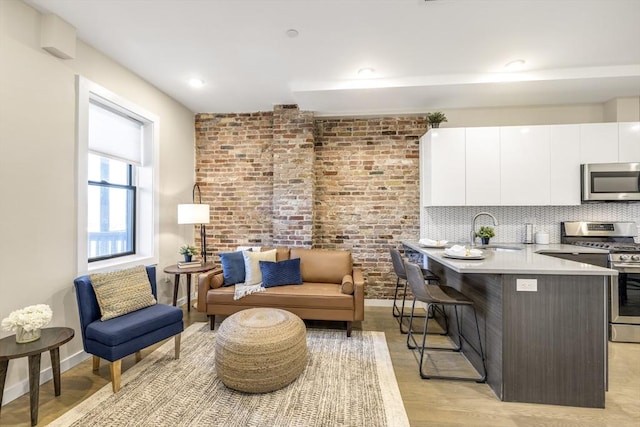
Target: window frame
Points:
(146, 196)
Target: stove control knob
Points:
(624, 257)
(635, 257)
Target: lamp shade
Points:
(193, 214)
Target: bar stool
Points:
(398, 267)
(440, 295)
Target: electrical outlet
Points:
(527, 285)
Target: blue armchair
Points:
(121, 336)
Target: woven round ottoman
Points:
(260, 349)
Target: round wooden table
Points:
(174, 269)
(50, 340)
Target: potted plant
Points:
(188, 251)
(434, 119)
(485, 233)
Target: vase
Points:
(187, 258)
(485, 240)
(24, 336)
(435, 125)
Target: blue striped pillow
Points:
(281, 273)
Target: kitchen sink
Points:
(498, 248)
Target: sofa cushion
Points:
(121, 292)
(281, 273)
(307, 295)
(323, 266)
(282, 252)
(253, 275)
(232, 267)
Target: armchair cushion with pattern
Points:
(129, 333)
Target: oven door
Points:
(626, 300)
(625, 305)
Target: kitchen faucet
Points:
(473, 226)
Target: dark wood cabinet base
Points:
(547, 346)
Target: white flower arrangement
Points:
(29, 318)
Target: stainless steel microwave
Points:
(610, 182)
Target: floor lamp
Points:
(196, 213)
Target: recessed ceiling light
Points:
(196, 83)
(515, 65)
(292, 33)
(366, 72)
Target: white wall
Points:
(37, 172)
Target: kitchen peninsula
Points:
(543, 320)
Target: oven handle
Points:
(626, 268)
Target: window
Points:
(111, 209)
(117, 159)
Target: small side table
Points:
(174, 269)
(50, 340)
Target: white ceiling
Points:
(426, 55)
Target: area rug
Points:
(347, 382)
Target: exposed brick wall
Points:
(367, 191)
(285, 178)
(234, 167)
(293, 176)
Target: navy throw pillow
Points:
(232, 267)
(281, 273)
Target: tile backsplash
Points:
(453, 223)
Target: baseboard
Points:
(22, 387)
(378, 302)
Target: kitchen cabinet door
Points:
(599, 143)
(629, 142)
(443, 167)
(482, 166)
(525, 165)
(564, 168)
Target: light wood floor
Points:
(427, 402)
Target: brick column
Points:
(293, 176)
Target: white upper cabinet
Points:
(443, 167)
(599, 143)
(564, 168)
(629, 142)
(482, 166)
(518, 165)
(524, 165)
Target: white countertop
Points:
(524, 261)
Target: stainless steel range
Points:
(624, 255)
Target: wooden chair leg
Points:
(349, 325)
(177, 345)
(96, 363)
(138, 356)
(116, 369)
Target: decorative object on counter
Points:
(485, 233)
(196, 213)
(542, 238)
(27, 322)
(430, 243)
(528, 233)
(434, 119)
(462, 252)
(473, 228)
(188, 251)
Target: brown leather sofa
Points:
(332, 289)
